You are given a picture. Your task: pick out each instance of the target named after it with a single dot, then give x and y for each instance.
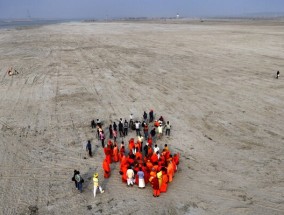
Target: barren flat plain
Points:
(214, 81)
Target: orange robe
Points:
(164, 184)
(115, 154)
(106, 168)
(155, 185)
(154, 158)
(170, 171)
(131, 144)
(107, 152)
(138, 155)
(124, 170)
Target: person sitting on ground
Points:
(11, 71)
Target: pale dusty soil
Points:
(215, 82)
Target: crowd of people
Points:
(141, 161)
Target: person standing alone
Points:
(96, 184)
(89, 148)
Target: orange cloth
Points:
(149, 165)
(138, 155)
(154, 158)
(131, 144)
(115, 154)
(108, 153)
(106, 168)
(170, 171)
(164, 184)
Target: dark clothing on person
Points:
(125, 128)
(145, 148)
(145, 116)
(120, 129)
(110, 131)
(153, 132)
(151, 115)
(73, 178)
(89, 148)
(93, 124)
(80, 181)
(277, 74)
(114, 126)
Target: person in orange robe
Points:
(106, 168)
(146, 173)
(107, 151)
(115, 153)
(154, 158)
(159, 176)
(123, 161)
(131, 144)
(170, 171)
(150, 152)
(150, 141)
(176, 159)
(149, 165)
(121, 153)
(138, 155)
(123, 173)
(165, 180)
(155, 185)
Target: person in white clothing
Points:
(130, 176)
(96, 184)
(156, 148)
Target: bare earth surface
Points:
(215, 83)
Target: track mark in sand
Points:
(209, 138)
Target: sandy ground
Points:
(215, 82)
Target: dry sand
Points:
(215, 82)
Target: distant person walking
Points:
(73, 178)
(145, 116)
(89, 148)
(168, 128)
(80, 181)
(110, 131)
(93, 124)
(137, 128)
(125, 126)
(277, 74)
(96, 184)
(151, 116)
(102, 138)
(120, 129)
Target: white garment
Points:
(140, 138)
(95, 190)
(141, 183)
(130, 181)
(130, 173)
(156, 149)
(160, 129)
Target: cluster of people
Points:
(141, 161)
